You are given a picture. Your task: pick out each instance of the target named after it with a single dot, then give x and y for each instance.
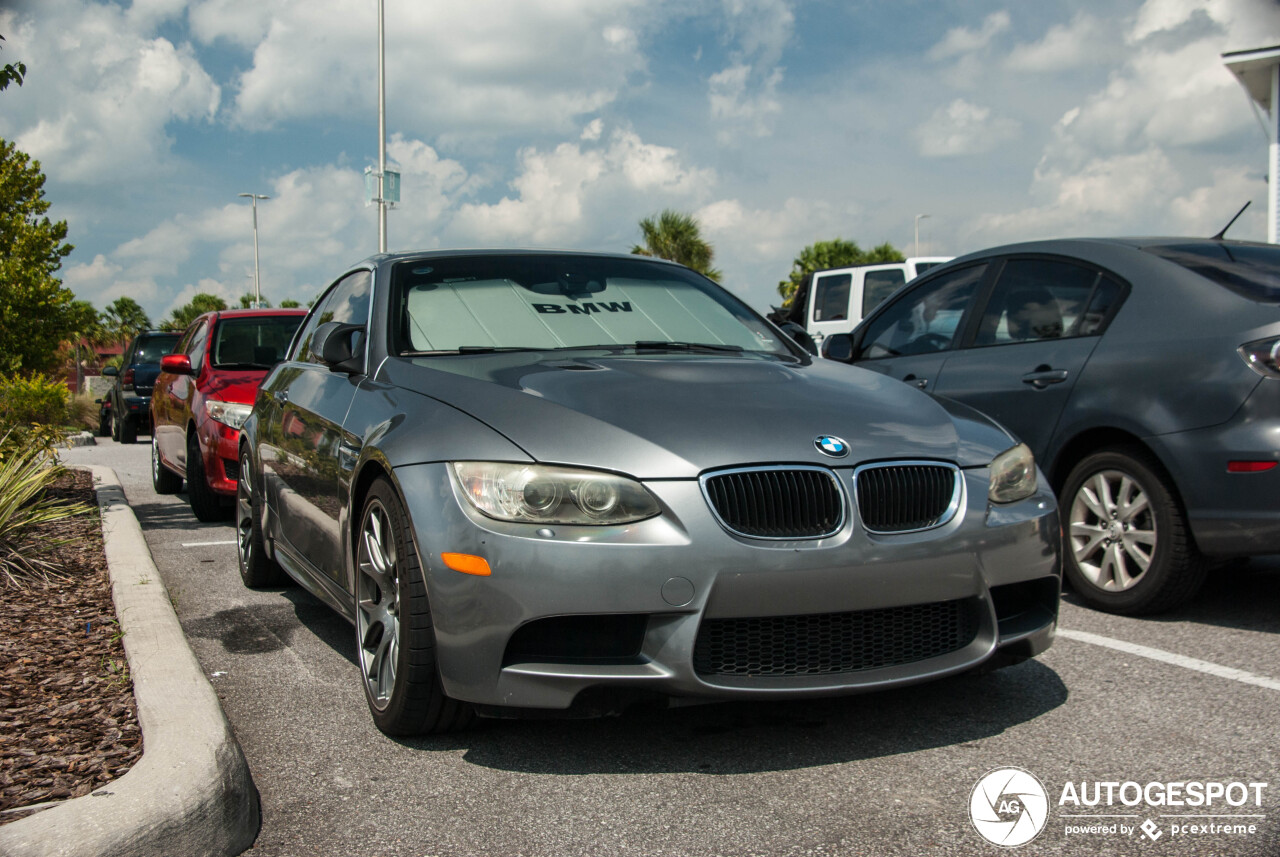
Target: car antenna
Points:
(1223, 233)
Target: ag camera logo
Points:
(1009, 807)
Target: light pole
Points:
(382, 133)
(919, 217)
(257, 288)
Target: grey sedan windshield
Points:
(570, 482)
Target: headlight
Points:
(228, 413)
(537, 494)
(1013, 475)
(1263, 356)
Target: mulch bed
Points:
(67, 718)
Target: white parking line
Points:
(206, 544)
(1170, 658)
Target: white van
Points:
(839, 298)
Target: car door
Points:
(177, 395)
(832, 297)
(301, 423)
(912, 337)
(1035, 333)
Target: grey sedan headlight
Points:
(540, 494)
(1013, 475)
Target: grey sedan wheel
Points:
(395, 636)
(1128, 548)
(256, 569)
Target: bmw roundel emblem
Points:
(831, 445)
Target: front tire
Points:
(1127, 548)
(395, 637)
(104, 425)
(256, 569)
(164, 480)
(205, 504)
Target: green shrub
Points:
(82, 412)
(24, 476)
(34, 400)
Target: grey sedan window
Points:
(545, 303)
(926, 319)
(1036, 299)
(347, 302)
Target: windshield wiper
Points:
(660, 345)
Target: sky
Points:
(563, 123)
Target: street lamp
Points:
(382, 132)
(257, 288)
(919, 217)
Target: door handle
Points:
(1044, 376)
(919, 382)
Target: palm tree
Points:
(123, 318)
(677, 236)
(199, 305)
(247, 300)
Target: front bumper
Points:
(633, 608)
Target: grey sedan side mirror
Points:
(838, 346)
(335, 344)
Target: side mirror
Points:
(110, 372)
(177, 364)
(335, 344)
(839, 347)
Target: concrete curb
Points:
(83, 438)
(191, 792)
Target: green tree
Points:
(87, 329)
(289, 303)
(836, 253)
(13, 72)
(246, 301)
(199, 305)
(35, 315)
(678, 237)
(123, 318)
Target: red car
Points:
(204, 394)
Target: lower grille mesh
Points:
(827, 643)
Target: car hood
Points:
(676, 416)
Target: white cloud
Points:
(102, 116)
(239, 22)
(482, 67)
(962, 128)
(1065, 46)
(743, 96)
(963, 40)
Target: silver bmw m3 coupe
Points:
(539, 481)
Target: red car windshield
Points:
(252, 343)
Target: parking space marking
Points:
(206, 544)
(1170, 658)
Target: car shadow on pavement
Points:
(751, 737)
(1244, 595)
(168, 515)
(262, 628)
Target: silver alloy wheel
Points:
(244, 514)
(378, 604)
(155, 459)
(1112, 530)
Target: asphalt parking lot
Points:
(1188, 698)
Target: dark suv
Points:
(129, 398)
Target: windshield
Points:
(1251, 270)
(151, 349)
(252, 343)
(549, 302)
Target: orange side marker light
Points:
(467, 564)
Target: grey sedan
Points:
(570, 482)
(1144, 375)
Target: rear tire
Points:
(205, 504)
(115, 427)
(395, 637)
(1127, 547)
(104, 425)
(164, 480)
(128, 430)
(256, 569)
